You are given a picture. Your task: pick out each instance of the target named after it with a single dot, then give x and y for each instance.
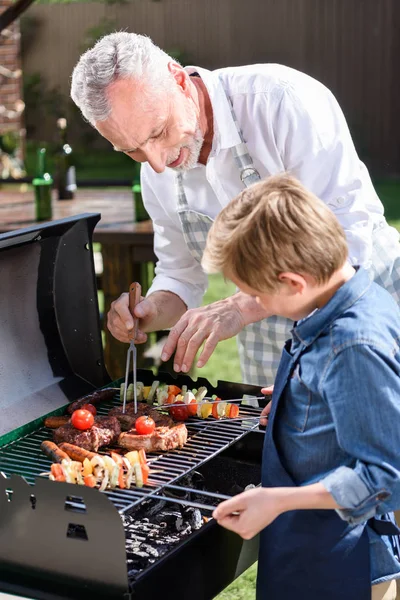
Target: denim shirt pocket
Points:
(297, 402)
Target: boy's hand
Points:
(267, 391)
(257, 507)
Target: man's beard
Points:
(194, 147)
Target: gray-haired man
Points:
(202, 136)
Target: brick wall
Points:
(10, 87)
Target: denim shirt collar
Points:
(308, 329)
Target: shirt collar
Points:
(310, 328)
(225, 131)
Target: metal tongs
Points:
(135, 291)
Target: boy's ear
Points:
(294, 282)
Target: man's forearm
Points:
(169, 309)
(249, 308)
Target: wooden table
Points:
(127, 247)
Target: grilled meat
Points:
(104, 432)
(161, 440)
(127, 420)
(93, 398)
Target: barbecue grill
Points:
(59, 540)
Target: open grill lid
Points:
(50, 343)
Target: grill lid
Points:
(50, 343)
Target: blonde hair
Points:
(275, 226)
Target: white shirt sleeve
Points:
(315, 144)
(176, 270)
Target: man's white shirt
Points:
(290, 122)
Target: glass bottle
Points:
(139, 209)
(65, 177)
(42, 185)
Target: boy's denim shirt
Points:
(339, 420)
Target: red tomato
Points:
(90, 408)
(144, 425)
(234, 412)
(179, 413)
(82, 419)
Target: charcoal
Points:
(194, 517)
(150, 537)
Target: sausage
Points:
(55, 422)
(53, 451)
(93, 398)
(76, 453)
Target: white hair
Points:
(117, 56)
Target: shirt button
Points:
(340, 200)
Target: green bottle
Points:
(65, 178)
(42, 185)
(139, 209)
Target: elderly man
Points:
(202, 136)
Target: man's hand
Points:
(158, 311)
(120, 320)
(213, 323)
(257, 508)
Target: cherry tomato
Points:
(90, 408)
(82, 419)
(179, 413)
(144, 425)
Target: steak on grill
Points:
(104, 432)
(128, 419)
(161, 440)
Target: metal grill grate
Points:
(206, 439)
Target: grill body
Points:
(59, 541)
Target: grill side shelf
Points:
(58, 544)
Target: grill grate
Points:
(24, 456)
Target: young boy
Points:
(331, 459)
